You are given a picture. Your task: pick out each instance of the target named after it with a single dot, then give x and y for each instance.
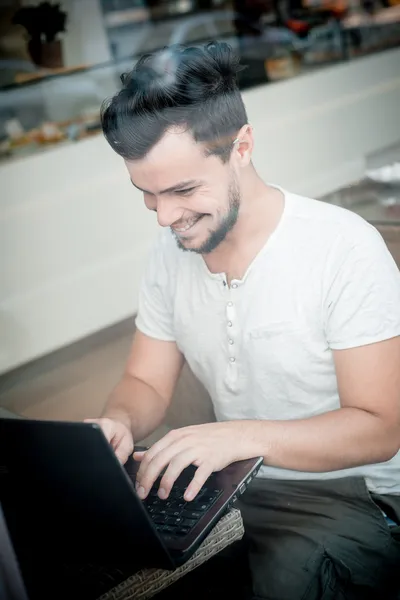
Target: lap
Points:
(318, 541)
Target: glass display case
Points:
(42, 107)
(54, 110)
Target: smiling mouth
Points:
(188, 225)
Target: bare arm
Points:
(365, 430)
(144, 393)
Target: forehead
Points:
(175, 157)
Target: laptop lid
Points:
(64, 491)
(11, 585)
(66, 494)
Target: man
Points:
(287, 310)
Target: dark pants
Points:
(321, 540)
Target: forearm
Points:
(340, 439)
(137, 405)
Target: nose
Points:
(167, 213)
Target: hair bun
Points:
(227, 64)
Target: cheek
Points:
(210, 202)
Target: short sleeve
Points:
(155, 312)
(362, 303)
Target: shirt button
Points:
(231, 342)
(234, 285)
(232, 359)
(230, 303)
(229, 323)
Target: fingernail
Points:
(188, 495)
(137, 485)
(162, 494)
(141, 492)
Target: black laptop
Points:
(11, 585)
(71, 507)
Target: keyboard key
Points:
(175, 521)
(178, 504)
(202, 507)
(209, 499)
(159, 519)
(192, 514)
(189, 523)
(182, 531)
(205, 492)
(172, 512)
(154, 501)
(169, 529)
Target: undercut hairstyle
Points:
(193, 89)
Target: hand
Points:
(119, 436)
(209, 447)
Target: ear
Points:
(243, 146)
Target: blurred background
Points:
(322, 89)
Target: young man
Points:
(287, 310)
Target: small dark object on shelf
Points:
(43, 23)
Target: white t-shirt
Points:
(262, 347)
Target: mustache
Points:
(182, 222)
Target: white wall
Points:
(327, 122)
(74, 232)
(85, 41)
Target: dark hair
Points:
(194, 88)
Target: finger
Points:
(115, 434)
(199, 479)
(147, 476)
(175, 468)
(155, 449)
(139, 456)
(124, 449)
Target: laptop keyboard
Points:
(175, 518)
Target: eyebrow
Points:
(182, 185)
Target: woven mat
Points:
(148, 582)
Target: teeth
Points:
(181, 229)
(187, 226)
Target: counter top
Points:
(376, 202)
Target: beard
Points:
(226, 224)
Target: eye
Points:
(186, 192)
